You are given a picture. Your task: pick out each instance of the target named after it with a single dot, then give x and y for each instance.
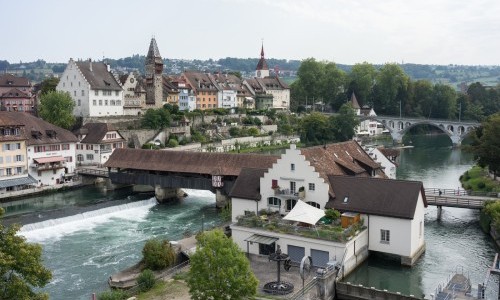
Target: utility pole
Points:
(460, 112)
(400, 108)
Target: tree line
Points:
(390, 91)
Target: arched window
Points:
(290, 203)
(273, 201)
(313, 204)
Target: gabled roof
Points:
(376, 196)
(14, 81)
(199, 81)
(97, 75)
(346, 158)
(247, 186)
(96, 132)
(389, 152)
(38, 131)
(15, 93)
(188, 162)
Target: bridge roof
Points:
(187, 162)
(376, 196)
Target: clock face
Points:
(258, 73)
(131, 80)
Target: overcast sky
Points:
(343, 31)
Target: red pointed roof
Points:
(262, 65)
(354, 102)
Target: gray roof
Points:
(17, 181)
(153, 49)
(376, 196)
(247, 186)
(98, 76)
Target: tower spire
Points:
(262, 50)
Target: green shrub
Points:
(172, 143)
(113, 295)
(481, 185)
(332, 214)
(158, 254)
(146, 280)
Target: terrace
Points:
(326, 228)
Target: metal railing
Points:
(460, 192)
(93, 172)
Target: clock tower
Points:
(154, 77)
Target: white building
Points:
(134, 95)
(50, 149)
(94, 89)
(338, 176)
(367, 127)
(386, 158)
(187, 98)
(97, 141)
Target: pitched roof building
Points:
(94, 89)
(97, 141)
(16, 94)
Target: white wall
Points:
(103, 104)
(239, 206)
(417, 227)
(48, 177)
(72, 81)
(303, 174)
(400, 235)
(388, 166)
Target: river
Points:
(455, 240)
(84, 250)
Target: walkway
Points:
(458, 198)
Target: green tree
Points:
(361, 81)
(486, 146)
(445, 102)
(253, 131)
(146, 280)
(391, 84)
(158, 254)
(21, 267)
(156, 118)
(422, 101)
(315, 129)
(220, 270)
(332, 84)
(343, 125)
(57, 108)
(48, 85)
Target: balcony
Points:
(272, 221)
(48, 166)
(287, 193)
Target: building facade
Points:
(96, 142)
(16, 94)
(154, 77)
(93, 88)
(134, 95)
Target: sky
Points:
(343, 31)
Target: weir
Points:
(86, 215)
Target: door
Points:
(296, 253)
(319, 258)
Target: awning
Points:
(17, 181)
(261, 239)
(42, 160)
(303, 212)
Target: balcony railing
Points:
(47, 166)
(289, 193)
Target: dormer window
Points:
(346, 199)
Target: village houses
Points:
(96, 142)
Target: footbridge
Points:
(398, 127)
(168, 171)
(458, 198)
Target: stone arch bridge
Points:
(398, 127)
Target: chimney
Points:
(90, 64)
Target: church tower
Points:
(262, 69)
(154, 70)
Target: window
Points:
(293, 186)
(74, 93)
(90, 147)
(19, 170)
(385, 236)
(90, 156)
(273, 201)
(8, 171)
(117, 93)
(112, 102)
(313, 204)
(83, 92)
(106, 102)
(274, 184)
(292, 167)
(65, 146)
(19, 158)
(94, 102)
(100, 102)
(7, 131)
(68, 158)
(118, 102)
(79, 102)
(97, 93)
(79, 157)
(312, 186)
(290, 203)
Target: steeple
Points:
(153, 50)
(262, 69)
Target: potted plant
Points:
(302, 192)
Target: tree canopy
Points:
(21, 268)
(219, 269)
(57, 108)
(486, 146)
(48, 85)
(156, 118)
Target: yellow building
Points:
(13, 162)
